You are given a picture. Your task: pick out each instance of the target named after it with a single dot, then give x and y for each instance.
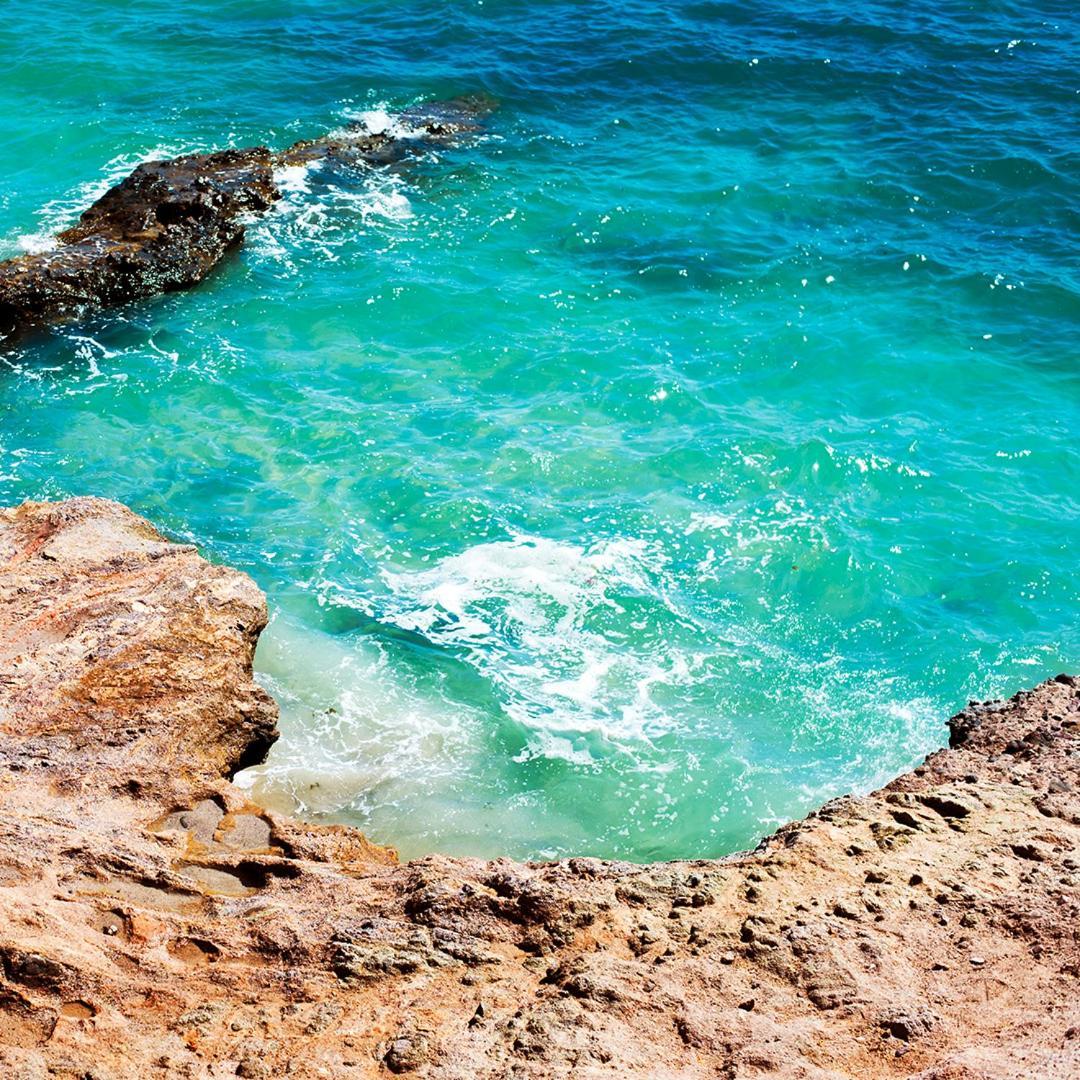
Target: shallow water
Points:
(677, 457)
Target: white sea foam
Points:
(36, 243)
(319, 215)
(582, 648)
(548, 623)
(377, 121)
(294, 179)
(320, 222)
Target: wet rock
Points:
(163, 227)
(169, 223)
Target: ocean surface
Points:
(675, 458)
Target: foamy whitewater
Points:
(677, 456)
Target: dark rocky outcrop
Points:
(166, 225)
(163, 227)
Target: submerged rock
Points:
(169, 223)
(153, 922)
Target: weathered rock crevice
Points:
(155, 923)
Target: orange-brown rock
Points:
(154, 923)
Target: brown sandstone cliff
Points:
(153, 923)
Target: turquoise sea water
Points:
(677, 457)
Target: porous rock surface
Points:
(154, 923)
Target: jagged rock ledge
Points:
(154, 923)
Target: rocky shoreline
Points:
(167, 224)
(155, 923)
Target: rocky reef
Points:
(166, 225)
(155, 923)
